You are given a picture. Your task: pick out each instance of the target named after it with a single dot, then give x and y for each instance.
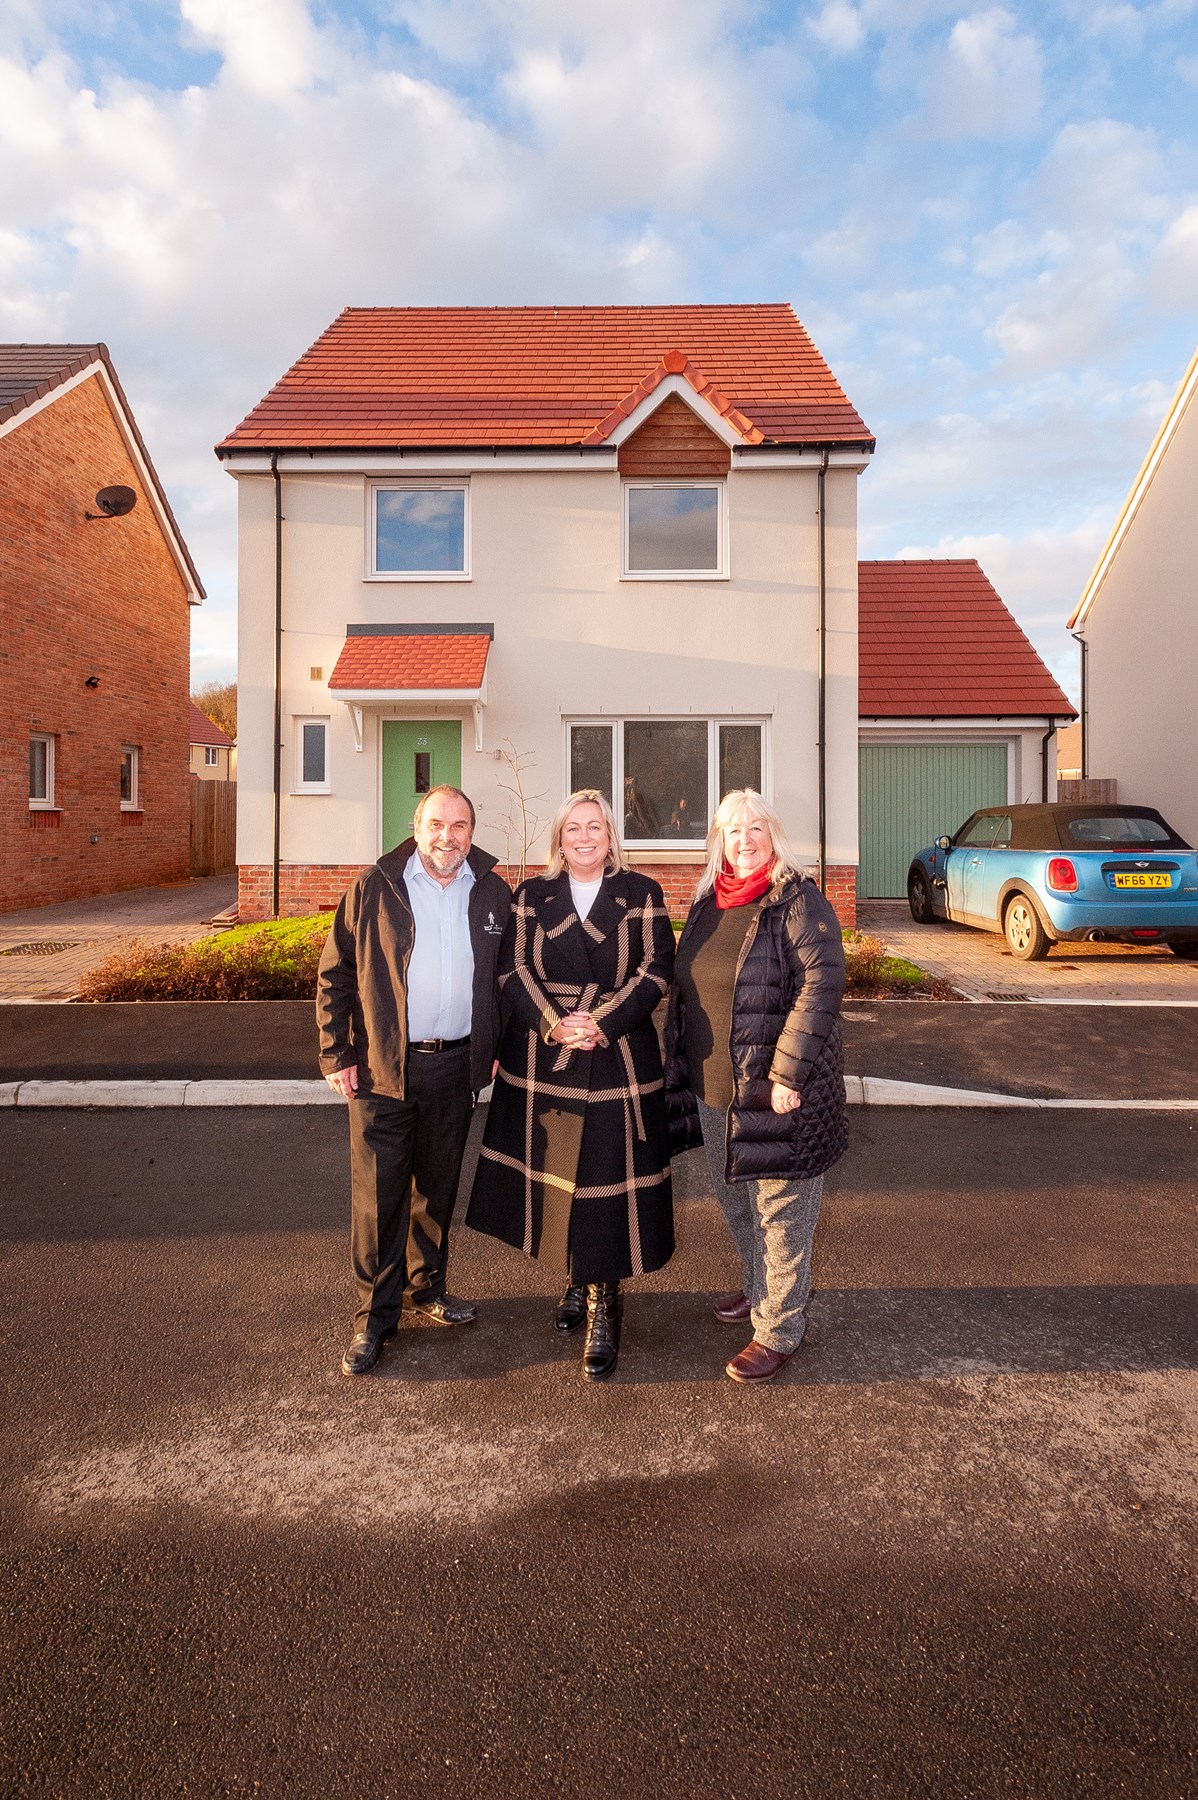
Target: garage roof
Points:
(936, 642)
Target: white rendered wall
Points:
(1143, 638)
(571, 639)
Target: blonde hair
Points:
(555, 862)
(745, 803)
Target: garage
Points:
(909, 794)
(956, 711)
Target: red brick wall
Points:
(674, 443)
(312, 887)
(87, 598)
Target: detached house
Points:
(1138, 625)
(97, 587)
(617, 542)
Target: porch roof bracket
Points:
(355, 719)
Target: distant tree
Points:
(217, 700)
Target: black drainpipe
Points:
(1079, 638)
(821, 675)
(274, 873)
(1051, 732)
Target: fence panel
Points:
(213, 827)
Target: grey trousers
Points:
(772, 1224)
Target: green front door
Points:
(910, 794)
(418, 754)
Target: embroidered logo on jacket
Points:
(492, 926)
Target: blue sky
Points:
(987, 217)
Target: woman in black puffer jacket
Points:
(754, 1067)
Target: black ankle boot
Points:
(604, 1311)
(571, 1309)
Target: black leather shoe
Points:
(571, 1309)
(445, 1310)
(364, 1351)
(605, 1310)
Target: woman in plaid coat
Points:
(575, 1163)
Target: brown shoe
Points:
(732, 1309)
(757, 1362)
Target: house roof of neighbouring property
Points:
(30, 373)
(1170, 425)
(205, 731)
(420, 658)
(546, 377)
(937, 642)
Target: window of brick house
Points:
(130, 758)
(670, 774)
(41, 771)
(674, 531)
(210, 756)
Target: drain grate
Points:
(998, 995)
(42, 949)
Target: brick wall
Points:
(675, 444)
(86, 598)
(314, 887)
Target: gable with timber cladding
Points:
(675, 443)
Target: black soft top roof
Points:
(1044, 827)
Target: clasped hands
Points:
(577, 1031)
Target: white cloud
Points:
(988, 81)
(268, 46)
(838, 27)
(1175, 270)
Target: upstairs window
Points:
(41, 771)
(420, 532)
(129, 772)
(674, 531)
(210, 755)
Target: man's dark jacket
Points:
(786, 1028)
(361, 990)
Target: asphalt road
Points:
(952, 1552)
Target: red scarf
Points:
(740, 890)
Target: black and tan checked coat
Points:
(575, 1163)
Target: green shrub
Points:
(273, 961)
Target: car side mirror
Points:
(944, 843)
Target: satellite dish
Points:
(114, 503)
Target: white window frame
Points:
(719, 573)
(49, 803)
(459, 485)
(133, 803)
(211, 756)
(713, 721)
(299, 785)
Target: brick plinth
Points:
(97, 600)
(316, 887)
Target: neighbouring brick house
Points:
(620, 540)
(94, 656)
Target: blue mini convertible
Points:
(1044, 875)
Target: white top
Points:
(440, 983)
(583, 894)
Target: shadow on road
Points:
(856, 1336)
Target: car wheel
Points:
(919, 898)
(1024, 933)
(1189, 950)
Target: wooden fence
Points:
(1094, 790)
(213, 827)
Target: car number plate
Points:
(1141, 881)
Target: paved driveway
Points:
(951, 1553)
(46, 950)
(980, 965)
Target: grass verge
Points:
(273, 961)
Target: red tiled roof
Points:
(386, 377)
(425, 660)
(937, 641)
(203, 731)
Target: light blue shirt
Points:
(441, 967)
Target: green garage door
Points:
(910, 794)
